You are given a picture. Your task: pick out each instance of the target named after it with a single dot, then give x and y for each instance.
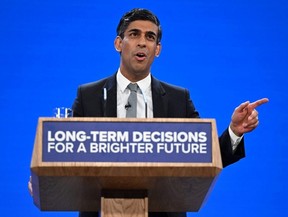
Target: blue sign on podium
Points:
(123, 141)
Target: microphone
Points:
(127, 106)
(104, 102)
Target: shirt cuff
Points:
(235, 140)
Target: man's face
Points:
(138, 49)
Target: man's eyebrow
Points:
(151, 33)
(138, 30)
(134, 30)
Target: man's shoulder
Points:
(93, 84)
(96, 84)
(167, 86)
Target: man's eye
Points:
(133, 34)
(151, 37)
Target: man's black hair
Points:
(138, 14)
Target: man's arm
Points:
(228, 154)
(244, 119)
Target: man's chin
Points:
(140, 72)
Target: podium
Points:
(124, 166)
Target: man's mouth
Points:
(140, 56)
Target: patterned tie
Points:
(131, 109)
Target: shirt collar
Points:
(123, 82)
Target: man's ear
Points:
(158, 49)
(118, 44)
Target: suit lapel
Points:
(160, 103)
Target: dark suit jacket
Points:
(168, 101)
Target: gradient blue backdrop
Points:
(225, 52)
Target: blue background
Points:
(225, 52)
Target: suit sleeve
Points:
(77, 105)
(191, 110)
(230, 156)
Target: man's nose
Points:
(142, 41)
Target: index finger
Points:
(242, 106)
(258, 102)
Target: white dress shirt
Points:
(144, 96)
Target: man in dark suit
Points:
(138, 42)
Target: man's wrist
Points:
(234, 131)
(235, 140)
